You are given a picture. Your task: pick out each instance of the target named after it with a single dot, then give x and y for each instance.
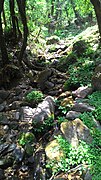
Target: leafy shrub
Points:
(80, 73)
(95, 99)
(35, 96)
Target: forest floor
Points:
(50, 119)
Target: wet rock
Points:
(82, 107)
(75, 130)
(19, 154)
(71, 115)
(96, 79)
(82, 92)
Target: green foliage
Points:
(45, 125)
(95, 99)
(80, 73)
(72, 156)
(61, 119)
(88, 119)
(35, 96)
(26, 138)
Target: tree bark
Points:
(21, 6)
(97, 8)
(12, 12)
(4, 54)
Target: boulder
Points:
(53, 151)
(96, 79)
(75, 130)
(82, 92)
(82, 107)
(71, 115)
(43, 111)
(67, 101)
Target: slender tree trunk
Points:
(4, 54)
(97, 8)
(11, 3)
(21, 6)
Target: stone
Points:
(71, 115)
(53, 151)
(52, 40)
(6, 162)
(82, 107)
(74, 131)
(4, 94)
(27, 113)
(3, 147)
(19, 154)
(96, 79)
(82, 92)
(88, 176)
(44, 110)
(2, 107)
(67, 102)
(2, 176)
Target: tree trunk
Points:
(21, 6)
(4, 54)
(12, 12)
(97, 8)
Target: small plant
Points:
(26, 138)
(35, 96)
(61, 119)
